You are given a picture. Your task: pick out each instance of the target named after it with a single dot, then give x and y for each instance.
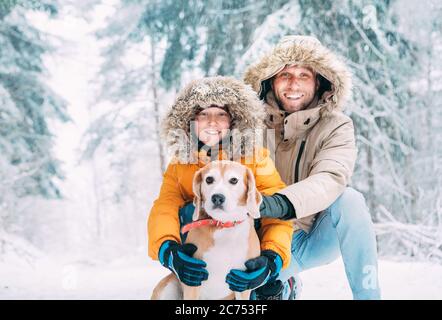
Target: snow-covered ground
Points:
(134, 278)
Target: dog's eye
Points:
(209, 180)
(233, 181)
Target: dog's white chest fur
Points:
(228, 252)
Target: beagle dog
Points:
(226, 204)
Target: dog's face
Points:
(226, 191)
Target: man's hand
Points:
(277, 206)
(258, 271)
(178, 258)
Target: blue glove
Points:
(178, 259)
(258, 271)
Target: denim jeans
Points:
(346, 229)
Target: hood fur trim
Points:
(246, 109)
(306, 51)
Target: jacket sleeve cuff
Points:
(290, 212)
(293, 200)
(284, 257)
(154, 250)
(164, 246)
(275, 258)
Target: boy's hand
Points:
(178, 258)
(259, 271)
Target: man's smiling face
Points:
(295, 87)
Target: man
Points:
(304, 87)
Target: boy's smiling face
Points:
(212, 125)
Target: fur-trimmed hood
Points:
(240, 100)
(306, 51)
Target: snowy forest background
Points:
(84, 85)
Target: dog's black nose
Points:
(218, 199)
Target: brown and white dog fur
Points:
(222, 249)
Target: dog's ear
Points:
(197, 200)
(254, 198)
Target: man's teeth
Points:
(294, 96)
(212, 131)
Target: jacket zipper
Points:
(298, 160)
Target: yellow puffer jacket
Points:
(176, 191)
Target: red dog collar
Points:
(209, 222)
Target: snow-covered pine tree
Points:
(203, 36)
(423, 24)
(121, 144)
(27, 104)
